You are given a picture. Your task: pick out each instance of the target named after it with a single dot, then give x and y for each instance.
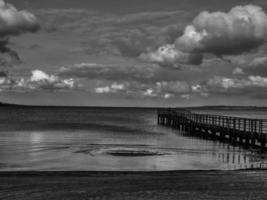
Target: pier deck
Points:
(247, 132)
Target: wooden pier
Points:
(247, 132)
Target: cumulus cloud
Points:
(150, 93)
(42, 80)
(14, 22)
(167, 89)
(113, 88)
(196, 88)
(169, 56)
(243, 86)
(136, 89)
(238, 71)
(129, 80)
(38, 75)
(240, 30)
(199, 89)
(38, 80)
(225, 84)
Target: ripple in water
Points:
(122, 150)
(108, 139)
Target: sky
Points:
(133, 53)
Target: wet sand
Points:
(184, 185)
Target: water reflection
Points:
(126, 142)
(36, 138)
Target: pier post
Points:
(245, 131)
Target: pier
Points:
(247, 132)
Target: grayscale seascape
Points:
(111, 139)
(133, 99)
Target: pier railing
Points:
(239, 127)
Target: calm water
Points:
(108, 139)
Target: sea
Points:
(112, 139)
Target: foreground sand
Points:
(213, 185)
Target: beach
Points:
(184, 185)
(107, 153)
(133, 100)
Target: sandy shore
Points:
(184, 185)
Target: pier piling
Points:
(235, 130)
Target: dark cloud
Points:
(3, 74)
(4, 49)
(14, 22)
(122, 6)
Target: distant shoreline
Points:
(219, 107)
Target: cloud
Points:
(126, 80)
(173, 87)
(109, 71)
(199, 89)
(150, 93)
(14, 22)
(168, 96)
(5, 82)
(240, 30)
(39, 80)
(8, 56)
(254, 64)
(258, 81)
(126, 35)
(169, 56)
(254, 87)
(185, 96)
(246, 86)
(38, 75)
(113, 88)
(238, 71)
(227, 83)
(257, 61)
(167, 89)
(3, 74)
(136, 89)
